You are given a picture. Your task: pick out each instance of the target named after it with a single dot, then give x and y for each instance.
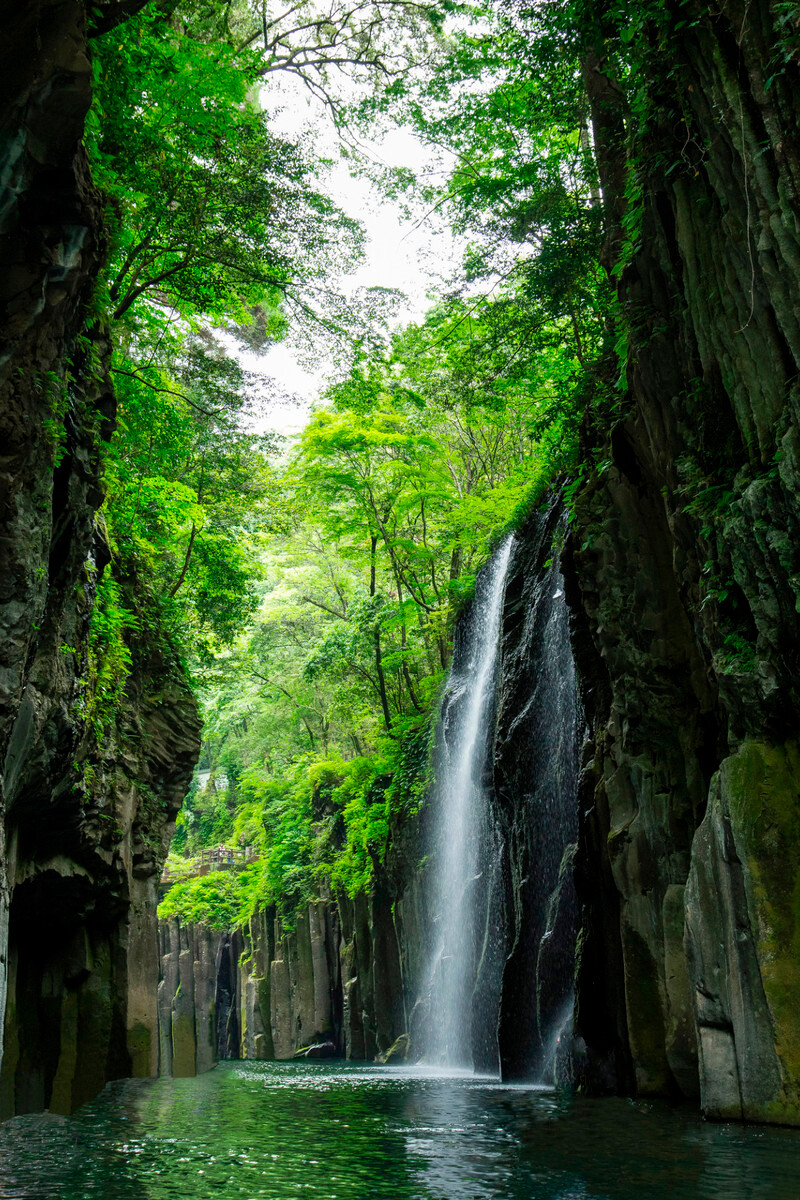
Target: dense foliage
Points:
(214, 221)
(319, 716)
(312, 587)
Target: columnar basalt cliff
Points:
(330, 986)
(87, 832)
(352, 977)
(86, 805)
(535, 759)
(689, 578)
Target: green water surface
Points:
(343, 1132)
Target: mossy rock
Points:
(761, 788)
(140, 1045)
(184, 1046)
(645, 1011)
(397, 1052)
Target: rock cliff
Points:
(85, 805)
(686, 579)
(330, 986)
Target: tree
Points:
(213, 220)
(190, 493)
(379, 42)
(213, 213)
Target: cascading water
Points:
(465, 913)
(501, 901)
(536, 764)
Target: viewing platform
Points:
(218, 858)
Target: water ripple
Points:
(340, 1132)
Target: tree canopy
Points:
(311, 587)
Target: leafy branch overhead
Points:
(378, 41)
(312, 586)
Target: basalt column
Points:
(86, 806)
(687, 569)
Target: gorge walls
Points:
(50, 250)
(357, 977)
(685, 576)
(86, 834)
(87, 796)
(330, 986)
(668, 901)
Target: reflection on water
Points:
(340, 1132)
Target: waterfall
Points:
(464, 855)
(502, 913)
(536, 753)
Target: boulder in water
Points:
(397, 1052)
(318, 1050)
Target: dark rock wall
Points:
(687, 586)
(84, 821)
(534, 771)
(51, 246)
(86, 835)
(332, 982)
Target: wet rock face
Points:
(192, 960)
(84, 822)
(51, 245)
(742, 934)
(87, 835)
(688, 581)
(331, 982)
(534, 766)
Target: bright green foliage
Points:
(213, 212)
(315, 592)
(222, 900)
(188, 492)
(212, 219)
(208, 822)
(321, 715)
(112, 623)
(323, 824)
(508, 105)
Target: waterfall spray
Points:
(463, 837)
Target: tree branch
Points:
(325, 608)
(207, 412)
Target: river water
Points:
(344, 1132)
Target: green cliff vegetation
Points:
(318, 716)
(310, 586)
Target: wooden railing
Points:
(218, 858)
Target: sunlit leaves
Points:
(213, 212)
(189, 493)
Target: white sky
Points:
(410, 256)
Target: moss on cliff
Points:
(761, 784)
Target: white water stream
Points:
(461, 835)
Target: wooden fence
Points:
(218, 858)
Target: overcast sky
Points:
(411, 256)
